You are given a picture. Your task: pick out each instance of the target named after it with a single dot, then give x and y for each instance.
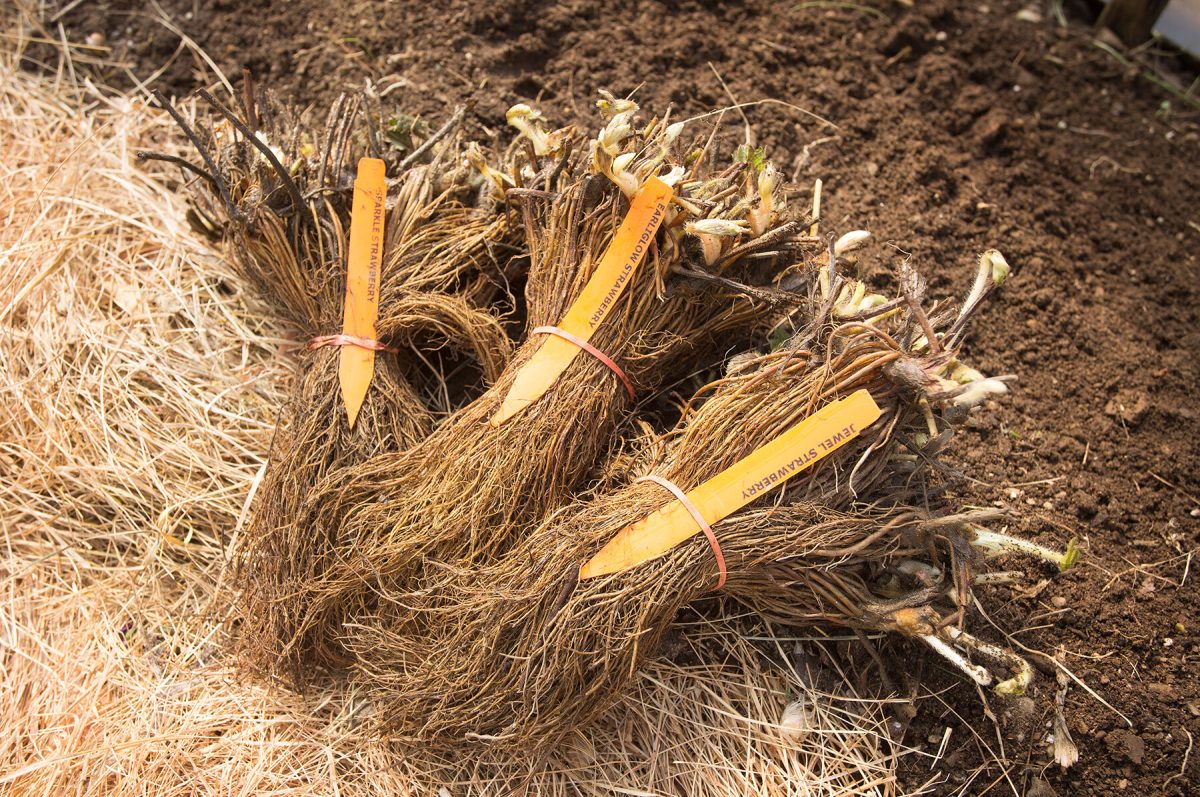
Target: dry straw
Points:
(463, 496)
(138, 403)
(95, 704)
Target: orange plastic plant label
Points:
(364, 264)
(613, 274)
(806, 443)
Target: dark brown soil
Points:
(958, 128)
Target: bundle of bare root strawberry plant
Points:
(281, 193)
(497, 581)
(499, 584)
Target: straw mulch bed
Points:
(141, 386)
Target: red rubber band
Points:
(350, 340)
(700, 521)
(592, 350)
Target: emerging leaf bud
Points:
(998, 264)
(760, 217)
(851, 241)
(610, 105)
(525, 119)
(626, 180)
(673, 177)
(979, 391)
(719, 227)
(964, 374)
(672, 132)
(617, 130)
